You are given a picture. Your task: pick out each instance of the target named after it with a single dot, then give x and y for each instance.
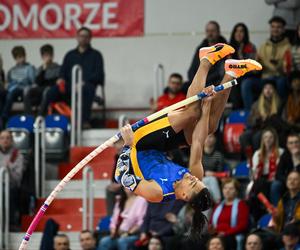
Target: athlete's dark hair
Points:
(199, 202)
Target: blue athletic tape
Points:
(138, 124)
(219, 88)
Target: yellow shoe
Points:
(238, 68)
(215, 52)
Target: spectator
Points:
(213, 162)
(213, 36)
(61, 242)
(216, 243)
(244, 49)
(262, 113)
(172, 94)
(289, 10)
(127, 218)
(47, 74)
(253, 242)
(113, 189)
(230, 217)
(289, 161)
(155, 243)
(12, 160)
(181, 226)
(291, 111)
(290, 238)
(156, 223)
(264, 164)
(295, 51)
(288, 209)
(92, 65)
(87, 240)
(20, 78)
(271, 55)
(2, 89)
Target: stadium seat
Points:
(56, 130)
(21, 127)
(103, 225)
(234, 126)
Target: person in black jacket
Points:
(46, 77)
(289, 161)
(91, 62)
(213, 36)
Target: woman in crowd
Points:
(126, 220)
(263, 112)
(244, 49)
(291, 111)
(230, 218)
(264, 166)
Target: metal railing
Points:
(122, 121)
(39, 156)
(88, 199)
(4, 208)
(76, 104)
(159, 80)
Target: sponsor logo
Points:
(166, 133)
(233, 66)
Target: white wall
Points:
(173, 28)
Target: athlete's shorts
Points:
(158, 135)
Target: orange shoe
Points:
(215, 52)
(238, 68)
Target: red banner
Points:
(61, 18)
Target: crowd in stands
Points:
(50, 83)
(270, 145)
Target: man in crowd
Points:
(213, 36)
(61, 242)
(47, 74)
(172, 94)
(20, 78)
(87, 240)
(290, 237)
(91, 62)
(12, 160)
(271, 55)
(253, 242)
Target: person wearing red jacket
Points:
(230, 218)
(172, 94)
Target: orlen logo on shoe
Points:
(244, 66)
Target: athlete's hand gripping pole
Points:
(105, 145)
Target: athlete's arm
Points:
(149, 190)
(199, 135)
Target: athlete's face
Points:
(187, 186)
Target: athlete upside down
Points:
(144, 168)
